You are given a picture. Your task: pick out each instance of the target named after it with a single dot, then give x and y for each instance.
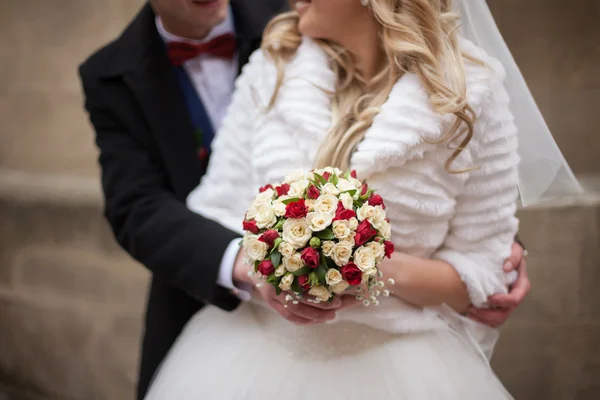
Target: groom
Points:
(156, 96)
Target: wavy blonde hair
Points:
(417, 36)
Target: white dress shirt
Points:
(214, 78)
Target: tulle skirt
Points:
(254, 354)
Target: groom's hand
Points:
(302, 313)
(503, 305)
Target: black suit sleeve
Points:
(148, 221)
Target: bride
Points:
(388, 88)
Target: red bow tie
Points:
(221, 46)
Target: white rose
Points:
(341, 229)
(365, 212)
(264, 197)
(297, 189)
(344, 185)
(349, 238)
(265, 216)
(353, 223)
(320, 292)
(333, 277)
(286, 282)
(310, 204)
(368, 275)
(326, 204)
(385, 229)
(342, 252)
(329, 188)
(347, 201)
(295, 176)
(378, 215)
(332, 170)
(251, 213)
(340, 287)
(355, 182)
(364, 258)
(286, 249)
(378, 250)
(327, 248)
(280, 271)
(257, 250)
(279, 208)
(293, 263)
(296, 232)
(318, 222)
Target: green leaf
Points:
(279, 225)
(278, 290)
(347, 175)
(321, 272)
(351, 192)
(256, 266)
(276, 258)
(292, 200)
(334, 179)
(327, 234)
(313, 279)
(296, 286)
(321, 178)
(358, 203)
(274, 280)
(302, 271)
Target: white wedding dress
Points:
(394, 351)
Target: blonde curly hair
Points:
(417, 36)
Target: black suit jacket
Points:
(149, 166)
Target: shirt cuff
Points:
(225, 278)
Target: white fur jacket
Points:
(466, 219)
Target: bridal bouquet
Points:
(320, 233)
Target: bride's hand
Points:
(302, 313)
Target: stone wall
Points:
(71, 302)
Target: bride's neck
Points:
(367, 51)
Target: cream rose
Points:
(297, 189)
(264, 197)
(353, 223)
(341, 229)
(265, 216)
(364, 258)
(256, 250)
(345, 185)
(330, 189)
(340, 287)
(296, 232)
(327, 248)
(310, 204)
(333, 277)
(320, 292)
(355, 182)
(279, 208)
(365, 212)
(385, 229)
(378, 250)
(319, 221)
(293, 263)
(286, 249)
(295, 176)
(326, 204)
(366, 275)
(280, 271)
(342, 252)
(347, 201)
(251, 213)
(378, 215)
(286, 282)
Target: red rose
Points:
(282, 190)
(376, 200)
(364, 189)
(326, 175)
(250, 226)
(342, 214)
(364, 232)
(269, 237)
(310, 257)
(313, 192)
(351, 274)
(353, 173)
(296, 210)
(389, 248)
(265, 188)
(303, 282)
(266, 267)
